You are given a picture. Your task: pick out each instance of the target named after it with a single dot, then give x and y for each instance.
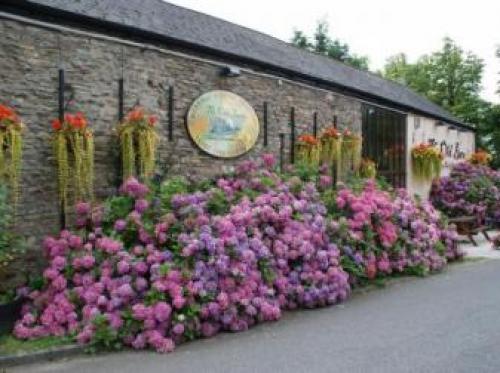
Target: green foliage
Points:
(250, 193)
(488, 134)
(116, 208)
(323, 44)
(449, 77)
(10, 345)
(171, 187)
(203, 186)
(265, 270)
(305, 171)
(417, 270)
(267, 182)
(329, 200)
(452, 79)
(480, 191)
(154, 296)
(218, 203)
(440, 248)
(352, 268)
(104, 337)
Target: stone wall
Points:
(29, 60)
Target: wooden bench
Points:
(469, 226)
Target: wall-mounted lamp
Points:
(230, 71)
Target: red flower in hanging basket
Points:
(72, 122)
(135, 115)
(78, 121)
(308, 139)
(8, 114)
(56, 125)
(152, 120)
(331, 132)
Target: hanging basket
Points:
(73, 144)
(11, 146)
(139, 142)
(367, 169)
(330, 145)
(481, 157)
(426, 161)
(351, 151)
(308, 150)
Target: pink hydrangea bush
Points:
(470, 190)
(384, 233)
(153, 268)
(145, 272)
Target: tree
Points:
(449, 77)
(452, 79)
(323, 44)
(300, 40)
(488, 134)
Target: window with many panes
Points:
(384, 142)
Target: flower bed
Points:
(381, 233)
(162, 265)
(469, 190)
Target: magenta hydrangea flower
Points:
(120, 225)
(83, 208)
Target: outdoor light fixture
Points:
(230, 71)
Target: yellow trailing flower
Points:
(73, 144)
(11, 146)
(139, 143)
(331, 140)
(426, 161)
(367, 169)
(308, 150)
(351, 150)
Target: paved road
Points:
(444, 323)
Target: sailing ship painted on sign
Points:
(223, 124)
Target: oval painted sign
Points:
(223, 124)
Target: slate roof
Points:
(195, 29)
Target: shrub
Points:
(471, 190)
(157, 268)
(383, 232)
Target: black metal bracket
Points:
(292, 135)
(265, 123)
(171, 109)
(62, 209)
(282, 151)
(315, 124)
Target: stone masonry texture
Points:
(29, 62)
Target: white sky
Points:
(378, 28)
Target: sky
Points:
(378, 29)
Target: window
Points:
(384, 142)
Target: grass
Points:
(10, 345)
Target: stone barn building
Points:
(115, 54)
